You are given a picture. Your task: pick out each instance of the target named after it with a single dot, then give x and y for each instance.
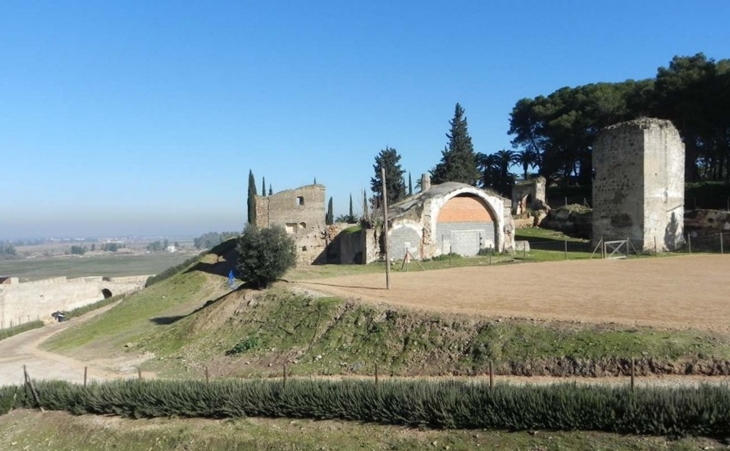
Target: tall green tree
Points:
(410, 185)
(263, 186)
(351, 213)
(329, 218)
(270, 190)
(388, 159)
(251, 198)
(458, 160)
(265, 254)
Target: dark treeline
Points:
(554, 134)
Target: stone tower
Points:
(638, 189)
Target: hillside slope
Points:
(192, 321)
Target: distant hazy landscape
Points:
(43, 261)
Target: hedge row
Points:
(19, 329)
(703, 411)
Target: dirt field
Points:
(671, 292)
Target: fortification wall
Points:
(30, 301)
(638, 189)
(301, 212)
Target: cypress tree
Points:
(458, 160)
(410, 185)
(251, 198)
(351, 216)
(330, 217)
(263, 186)
(365, 209)
(270, 190)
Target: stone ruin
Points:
(638, 189)
(529, 195)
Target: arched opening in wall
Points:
(107, 293)
(465, 225)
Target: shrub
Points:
(674, 412)
(446, 257)
(19, 329)
(264, 255)
(243, 346)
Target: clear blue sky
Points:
(144, 117)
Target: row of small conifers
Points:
(701, 411)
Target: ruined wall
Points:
(638, 190)
(28, 301)
(301, 212)
(535, 189)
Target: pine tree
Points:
(388, 158)
(251, 198)
(410, 185)
(458, 160)
(330, 217)
(263, 186)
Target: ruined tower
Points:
(638, 189)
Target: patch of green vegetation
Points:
(537, 234)
(130, 319)
(172, 270)
(15, 330)
(64, 432)
(91, 307)
(99, 265)
(353, 229)
(332, 336)
(675, 412)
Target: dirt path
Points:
(677, 292)
(23, 349)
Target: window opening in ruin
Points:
(300, 200)
(304, 248)
(303, 225)
(291, 227)
(106, 293)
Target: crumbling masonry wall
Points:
(28, 301)
(301, 212)
(638, 189)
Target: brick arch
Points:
(468, 209)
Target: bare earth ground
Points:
(678, 292)
(22, 349)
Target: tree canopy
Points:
(693, 92)
(458, 160)
(389, 159)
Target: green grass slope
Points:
(250, 334)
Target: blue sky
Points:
(139, 117)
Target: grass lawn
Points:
(61, 431)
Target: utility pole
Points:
(385, 230)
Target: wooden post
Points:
(86, 373)
(689, 243)
(632, 374)
(603, 247)
(566, 248)
(207, 376)
(385, 230)
(491, 374)
(284, 369)
(524, 251)
(450, 250)
(722, 250)
(29, 383)
(376, 374)
(139, 373)
(628, 243)
(491, 251)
